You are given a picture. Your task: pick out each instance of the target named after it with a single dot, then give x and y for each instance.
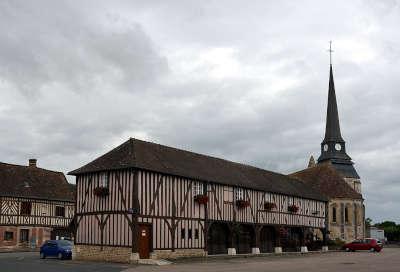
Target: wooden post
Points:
(135, 214)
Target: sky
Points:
(242, 80)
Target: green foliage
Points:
(336, 244)
(368, 222)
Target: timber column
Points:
(256, 243)
(278, 246)
(134, 226)
(303, 248)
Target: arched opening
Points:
(244, 238)
(267, 239)
(291, 238)
(314, 239)
(218, 239)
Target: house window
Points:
(26, 208)
(104, 179)
(346, 215)
(334, 214)
(60, 211)
(24, 235)
(198, 189)
(189, 233)
(183, 233)
(239, 194)
(8, 236)
(196, 234)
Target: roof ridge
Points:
(212, 157)
(29, 167)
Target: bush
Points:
(336, 244)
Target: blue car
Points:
(62, 249)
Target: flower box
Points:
(242, 203)
(201, 199)
(293, 208)
(101, 191)
(269, 206)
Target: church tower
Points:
(333, 147)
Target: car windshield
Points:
(64, 243)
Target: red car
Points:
(366, 244)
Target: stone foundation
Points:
(178, 253)
(108, 254)
(125, 255)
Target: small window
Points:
(334, 214)
(8, 236)
(183, 233)
(198, 189)
(60, 211)
(196, 234)
(239, 195)
(104, 179)
(189, 233)
(346, 215)
(26, 208)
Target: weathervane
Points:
(330, 52)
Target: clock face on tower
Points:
(325, 147)
(338, 147)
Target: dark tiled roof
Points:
(346, 169)
(154, 157)
(34, 182)
(327, 180)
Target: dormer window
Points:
(239, 194)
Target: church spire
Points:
(333, 147)
(332, 130)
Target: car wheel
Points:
(347, 249)
(372, 249)
(42, 256)
(60, 256)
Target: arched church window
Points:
(334, 214)
(356, 214)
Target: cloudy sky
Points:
(241, 80)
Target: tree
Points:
(392, 230)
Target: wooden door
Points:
(144, 241)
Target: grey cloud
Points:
(77, 80)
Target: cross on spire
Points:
(330, 52)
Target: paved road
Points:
(386, 261)
(30, 262)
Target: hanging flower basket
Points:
(293, 208)
(201, 199)
(269, 206)
(101, 191)
(242, 203)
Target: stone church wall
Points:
(349, 225)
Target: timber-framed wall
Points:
(167, 202)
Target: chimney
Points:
(32, 162)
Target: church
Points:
(335, 177)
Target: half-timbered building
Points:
(35, 205)
(145, 200)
